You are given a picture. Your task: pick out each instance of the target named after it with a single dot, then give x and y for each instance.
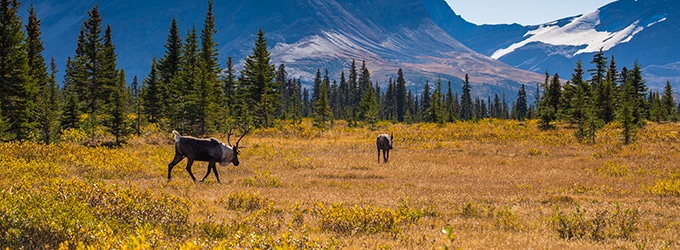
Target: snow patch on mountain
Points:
(581, 31)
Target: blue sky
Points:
(526, 12)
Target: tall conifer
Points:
(258, 82)
(466, 109)
(17, 88)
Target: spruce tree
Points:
(450, 103)
(137, 104)
(258, 80)
(316, 87)
(151, 96)
(354, 94)
(637, 94)
(286, 92)
(168, 66)
(466, 109)
(116, 110)
(625, 114)
(549, 105)
(46, 108)
(576, 94)
(400, 94)
(343, 92)
(229, 86)
(368, 107)
(17, 88)
(211, 93)
(110, 89)
(184, 91)
(521, 104)
(668, 104)
(323, 113)
(70, 114)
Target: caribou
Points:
(209, 150)
(384, 143)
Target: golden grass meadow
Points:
(490, 184)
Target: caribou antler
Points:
(245, 131)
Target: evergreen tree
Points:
(576, 94)
(344, 96)
(17, 88)
(212, 98)
(637, 94)
(137, 104)
(389, 102)
(655, 112)
(450, 103)
(584, 107)
(607, 93)
(466, 108)
(168, 66)
(354, 94)
(425, 100)
(90, 58)
(436, 112)
(184, 92)
(368, 107)
(116, 110)
(323, 113)
(400, 95)
(521, 104)
(286, 92)
(626, 112)
(668, 104)
(70, 115)
(549, 104)
(229, 86)
(151, 97)
(46, 108)
(258, 80)
(316, 87)
(109, 73)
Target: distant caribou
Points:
(384, 143)
(205, 149)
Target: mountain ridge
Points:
(388, 35)
(629, 30)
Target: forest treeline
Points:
(188, 90)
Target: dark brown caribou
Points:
(384, 143)
(205, 149)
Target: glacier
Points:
(581, 31)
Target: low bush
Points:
(602, 225)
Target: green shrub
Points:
(262, 179)
(245, 201)
(665, 188)
(505, 219)
(356, 220)
(613, 169)
(621, 223)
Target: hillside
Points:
(303, 35)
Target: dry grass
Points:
(491, 184)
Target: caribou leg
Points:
(189, 163)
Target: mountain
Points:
(304, 35)
(628, 30)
